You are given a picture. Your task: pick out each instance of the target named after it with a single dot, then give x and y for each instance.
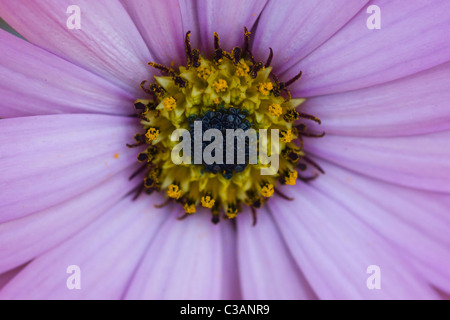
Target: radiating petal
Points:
(107, 44)
(412, 38)
(416, 222)
(160, 24)
(419, 162)
(334, 249)
(36, 82)
(185, 261)
(294, 28)
(267, 269)
(417, 104)
(48, 159)
(107, 252)
(227, 18)
(24, 239)
(6, 277)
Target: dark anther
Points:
(302, 166)
(140, 107)
(149, 182)
(179, 81)
(269, 59)
(138, 171)
(188, 48)
(310, 117)
(216, 41)
(135, 145)
(285, 197)
(195, 58)
(156, 89)
(143, 157)
(298, 76)
(246, 40)
(144, 89)
(255, 68)
(236, 53)
(315, 165)
(291, 116)
(160, 67)
(254, 216)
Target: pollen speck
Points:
(116, 156)
(286, 136)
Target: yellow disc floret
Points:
(152, 134)
(267, 190)
(170, 103)
(208, 202)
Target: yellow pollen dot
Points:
(220, 86)
(116, 156)
(232, 213)
(174, 191)
(152, 134)
(291, 179)
(267, 190)
(189, 208)
(208, 202)
(170, 103)
(286, 136)
(265, 88)
(275, 110)
(203, 73)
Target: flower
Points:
(383, 200)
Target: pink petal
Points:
(164, 35)
(294, 28)
(107, 253)
(107, 44)
(24, 239)
(34, 82)
(267, 269)
(417, 222)
(227, 18)
(49, 159)
(419, 162)
(417, 104)
(6, 277)
(185, 261)
(334, 250)
(412, 38)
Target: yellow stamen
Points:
(208, 202)
(275, 110)
(174, 191)
(203, 73)
(265, 88)
(220, 86)
(291, 179)
(268, 190)
(216, 101)
(286, 136)
(152, 134)
(189, 208)
(170, 103)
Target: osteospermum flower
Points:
(370, 195)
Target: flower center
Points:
(240, 123)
